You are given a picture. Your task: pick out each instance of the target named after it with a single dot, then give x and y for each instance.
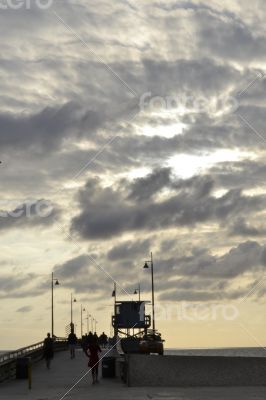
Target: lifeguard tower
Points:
(130, 324)
(130, 316)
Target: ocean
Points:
(234, 352)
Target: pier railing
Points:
(8, 360)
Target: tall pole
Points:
(71, 311)
(81, 321)
(139, 291)
(52, 286)
(88, 322)
(115, 328)
(152, 288)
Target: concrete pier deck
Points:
(53, 384)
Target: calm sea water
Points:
(234, 352)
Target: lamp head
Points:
(74, 301)
(146, 265)
(57, 282)
(113, 293)
(135, 291)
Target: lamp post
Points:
(114, 296)
(81, 320)
(152, 289)
(52, 287)
(88, 322)
(71, 311)
(137, 291)
(90, 317)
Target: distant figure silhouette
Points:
(103, 340)
(93, 354)
(72, 342)
(48, 350)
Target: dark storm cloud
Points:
(244, 174)
(230, 39)
(241, 227)
(74, 267)
(105, 211)
(45, 130)
(83, 274)
(145, 188)
(247, 256)
(129, 249)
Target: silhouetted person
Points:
(90, 338)
(72, 343)
(103, 340)
(48, 350)
(93, 354)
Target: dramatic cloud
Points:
(107, 213)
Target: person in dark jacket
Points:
(48, 350)
(72, 343)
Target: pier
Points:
(71, 379)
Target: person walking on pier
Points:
(72, 342)
(48, 350)
(93, 354)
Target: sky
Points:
(128, 128)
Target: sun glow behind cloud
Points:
(187, 165)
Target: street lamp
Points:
(88, 322)
(137, 291)
(114, 296)
(81, 320)
(56, 283)
(146, 265)
(71, 311)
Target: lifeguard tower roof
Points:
(130, 314)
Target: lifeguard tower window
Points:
(131, 314)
